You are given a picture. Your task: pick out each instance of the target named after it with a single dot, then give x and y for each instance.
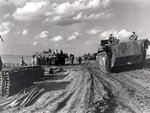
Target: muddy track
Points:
(113, 88)
(86, 89)
(108, 97)
(86, 93)
(129, 95)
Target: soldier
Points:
(49, 51)
(1, 64)
(113, 39)
(56, 51)
(85, 56)
(22, 61)
(35, 60)
(61, 52)
(72, 58)
(133, 36)
(32, 60)
(79, 59)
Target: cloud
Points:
(83, 16)
(45, 34)
(77, 5)
(60, 14)
(42, 35)
(30, 10)
(3, 2)
(123, 34)
(5, 27)
(14, 2)
(62, 20)
(65, 13)
(73, 19)
(18, 2)
(35, 43)
(94, 30)
(25, 32)
(74, 36)
(105, 34)
(105, 3)
(59, 20)
(57, 38)
(6, 15)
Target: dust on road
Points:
(85, 89)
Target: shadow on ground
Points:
(132, 67)
(52, 77)
(53, 86)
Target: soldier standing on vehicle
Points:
(133, 36)
(113, 39)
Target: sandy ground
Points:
(85, 89)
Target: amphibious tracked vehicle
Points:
(112, 55)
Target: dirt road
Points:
(130, 89)
(85, 89)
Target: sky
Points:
(75, 26)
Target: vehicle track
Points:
(119, 89)
(86, 89)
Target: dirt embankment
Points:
(85, 89)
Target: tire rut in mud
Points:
(107, 103)
(139, 95)
(73, 101)
(118, 91)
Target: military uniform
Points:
(133, 37)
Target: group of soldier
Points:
(48, 58)
(51, 57)
(114, 40)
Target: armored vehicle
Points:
(112, 55)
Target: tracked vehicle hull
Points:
(120, 54)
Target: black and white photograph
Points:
(74, 56)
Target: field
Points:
(85, 89)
